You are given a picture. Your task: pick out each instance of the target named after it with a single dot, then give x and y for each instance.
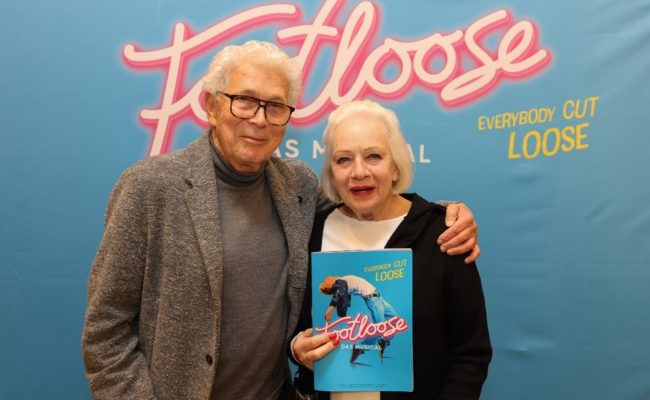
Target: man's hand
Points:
(461, 235)
(307, 348)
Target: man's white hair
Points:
(261, 53)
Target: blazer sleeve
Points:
(115, 365)
(303, 379)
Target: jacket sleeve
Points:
(115, 365)
(470, 351)
(303, 379)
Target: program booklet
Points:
(366, 298)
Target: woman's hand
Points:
(307, 348)
(461, 235)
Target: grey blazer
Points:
(154, 293)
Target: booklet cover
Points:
(365, 297)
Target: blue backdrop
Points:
(533, 113)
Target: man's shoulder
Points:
(294, 166)
(154, 169)
(164, 167)
(295, 171)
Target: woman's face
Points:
(362, 167)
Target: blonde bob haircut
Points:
(396, 143)
(257, 52)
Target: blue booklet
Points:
(366, 298)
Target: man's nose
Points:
(259, 118)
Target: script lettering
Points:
(359, 328)
(469, 69)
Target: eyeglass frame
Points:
(259, 105)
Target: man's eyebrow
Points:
(252, 93)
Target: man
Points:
(199, 278)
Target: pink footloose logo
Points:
(466, 69)
(359, 328)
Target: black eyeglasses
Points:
(245, 107)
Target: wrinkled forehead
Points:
(253, 78)
(359, 129)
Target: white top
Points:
(345, 233)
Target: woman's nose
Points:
(360, 170)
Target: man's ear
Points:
(209, 101)
(210, 108)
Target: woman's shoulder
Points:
(321, 215)
(421, 208)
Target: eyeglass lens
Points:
(247, 107)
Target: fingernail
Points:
(443, 248)
(451, 252)
(439, 241)
(336, 342)
(333, 336)
(449, 222)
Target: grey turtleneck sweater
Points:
(254, 313)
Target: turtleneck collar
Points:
(228, 174)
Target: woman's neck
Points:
(396, 207)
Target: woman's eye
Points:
(342, 160)
(374, 156)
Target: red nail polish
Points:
(336, 342)
(333, 336)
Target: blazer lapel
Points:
(201, 200)
(287, 203)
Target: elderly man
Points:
(198, 281)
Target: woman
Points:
(366, 167)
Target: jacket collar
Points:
(201, 201)
(416, 220)
(287, 204)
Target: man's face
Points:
(246, 144)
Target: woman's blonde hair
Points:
(396, 143)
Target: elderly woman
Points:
(366, 169)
